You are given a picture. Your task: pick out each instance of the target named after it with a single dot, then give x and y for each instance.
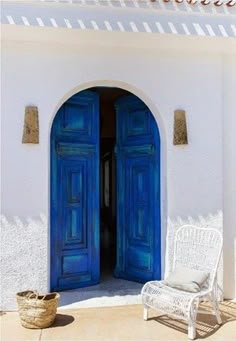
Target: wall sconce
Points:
(180, 128)
(31, 125)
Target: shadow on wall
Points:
(25, 256)
(214, 220)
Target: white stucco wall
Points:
(46, 73)
(229, 168)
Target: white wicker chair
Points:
(195, 248)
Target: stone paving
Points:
(121, 323)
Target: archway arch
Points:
(122, 85)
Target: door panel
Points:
(138, 192)
(75, 193)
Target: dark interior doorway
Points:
(108, 232)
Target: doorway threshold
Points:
(109, 292)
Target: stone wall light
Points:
(180, 128)
(31, 125)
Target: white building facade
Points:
(172, 56)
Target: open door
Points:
(138, 192)
(75, 193)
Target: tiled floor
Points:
(121, 323)
(109, 292)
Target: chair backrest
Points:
(198, 248)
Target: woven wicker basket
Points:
(37, 311)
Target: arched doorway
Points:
(105, 189)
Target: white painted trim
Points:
(172, 5)
(72, 16)
(98, 39)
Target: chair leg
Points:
(191, 330)
(145, 312)
(192, 320)
(215, 306)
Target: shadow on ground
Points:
(62, 320)
(206, 323)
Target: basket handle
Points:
(51, 293)
(37, 295)
(33, 293)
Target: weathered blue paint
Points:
(75, 204)
(138, 192)
(75, 207)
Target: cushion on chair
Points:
(186, 279)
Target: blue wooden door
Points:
(75, 193)
(138, 192)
